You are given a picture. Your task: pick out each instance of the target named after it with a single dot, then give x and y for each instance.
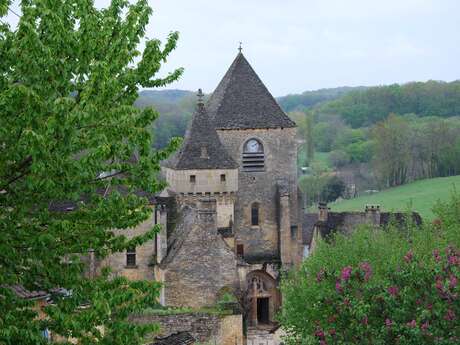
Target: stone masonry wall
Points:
(280, 148)
(205, 328)
(144, 254)
(206, 181)
(202, 263)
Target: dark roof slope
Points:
(242, 101)
(182, 338)
(202, 148)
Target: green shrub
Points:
(397, 286)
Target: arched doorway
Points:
(263, 298)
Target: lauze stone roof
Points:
(241, 101)
(202, 148)
(182, 338)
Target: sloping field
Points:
(419, 196)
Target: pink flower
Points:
(450, 315)
(424, 326)
(436, 255)
(322, 342)
(388, 323)
(366, 268)
(346, 301)
(412, 324)
(408, 257)
(365, 321)
(453, 281)
(439, 285)
(319, 333)
(393, 290)
(338, 287)
(453, 260)
(332, 332)
(346, 273)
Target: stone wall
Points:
(145, 254)
(280, 149)
(206, 181)
(205, 328)
(225, 205)
(199, 263)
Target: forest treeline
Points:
(309, 99)
(360, 108)
(403, 132)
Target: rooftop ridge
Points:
(201, 148)
(242, 101)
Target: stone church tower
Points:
(234, 182)
(261, 138)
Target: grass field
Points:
(420, 196)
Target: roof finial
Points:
(200, 97)
(240, 48)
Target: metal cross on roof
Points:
(240, 48)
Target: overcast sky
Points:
(298, 45)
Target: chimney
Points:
(373, 214)
(323, 211)
(207, 210)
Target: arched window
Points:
(253, 156)
(255, 214)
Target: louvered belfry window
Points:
(253, 156)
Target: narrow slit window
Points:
(192, 178)
(255, 214)
(240, 250)
(131, 257)
(222, 178)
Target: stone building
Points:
(323, 224)
(236, 177)
(231, 217)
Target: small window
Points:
(131, 257)
(222, 178)
(240, 250)
(192, 178)
(255, 214)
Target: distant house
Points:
(324, 223)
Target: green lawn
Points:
(420, 196)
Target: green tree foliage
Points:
(398, 286)
(319, 186)
(67, 88)
(175, 108)
(310, 99)
(309, 139)
(366, 107)
(339, 158)
(392, 150)
(333, 189)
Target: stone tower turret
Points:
(202, 167)
(262, 139)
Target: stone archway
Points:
(263, 298)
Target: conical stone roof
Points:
(241, 101)
(202, 148)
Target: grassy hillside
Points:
(421, 195)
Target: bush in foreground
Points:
(398, 286)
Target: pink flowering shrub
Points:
(387, 287)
